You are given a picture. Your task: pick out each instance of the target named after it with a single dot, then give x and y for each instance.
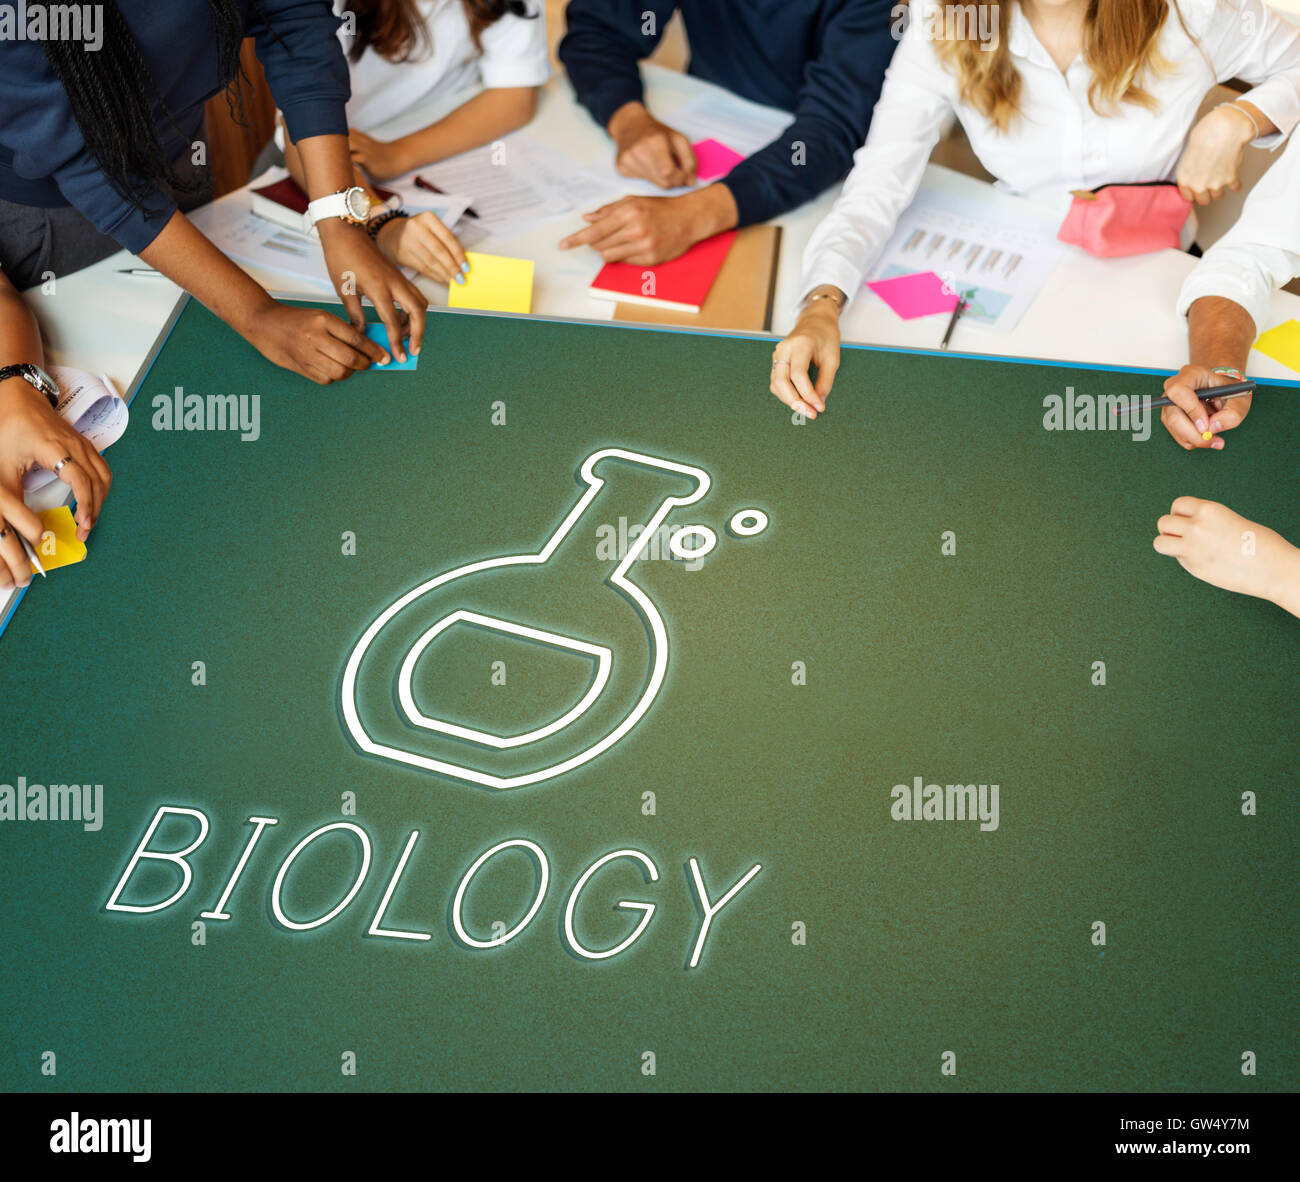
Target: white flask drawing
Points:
(627, 677)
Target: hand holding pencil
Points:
(1195, 421)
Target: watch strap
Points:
(34, 376)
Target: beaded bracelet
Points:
(375, 224)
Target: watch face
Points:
(358, 204)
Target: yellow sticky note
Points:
(1282, 344)
(495, 284)
(59, 545)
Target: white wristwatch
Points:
(352, 205)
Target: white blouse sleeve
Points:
(918, 94)
(515, 51)
(1261, 252)
(1246, 39)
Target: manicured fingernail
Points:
(1200, 424)
(461, 280)
(465, 268)
(1217, 445)
(1215, 425)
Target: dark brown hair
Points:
(395, 30)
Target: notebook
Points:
(741, 298)
(682, 285)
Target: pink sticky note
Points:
(911, 296)
(714, 159)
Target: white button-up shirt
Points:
(448, 65)
(1261, 252)
(1059, 143)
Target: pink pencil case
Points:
(1118, 220)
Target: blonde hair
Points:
(1120, 45)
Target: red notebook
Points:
(683, 283)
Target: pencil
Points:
(1231, 390)
(31, 554)
(470, 211)
(952, 324)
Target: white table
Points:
(1114, 312)
(1118, 312)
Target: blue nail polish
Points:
(461, 280)
(464, 268)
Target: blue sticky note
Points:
(379, 334)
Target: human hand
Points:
(650, 150)
(644, 231)
(815, 340)
(31, 433)
(358, 268)
(1211, 162)
(1189, 419)
(380, 159)
(311, 342)
(423, 242)
(1222, 548)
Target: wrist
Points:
(825, 300)
(389, 236)
(246, 316)
(713, 211)
(402, 155)
(628, 115)
(15, 392)
(821, 313)
(337, 231)
(1238, 123)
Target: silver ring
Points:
(59, 466)
(779, 361)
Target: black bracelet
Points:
(374, 225)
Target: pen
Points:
(470, 211)
(31, 554)
(952, 324)
(142, 271)
(1231, 390)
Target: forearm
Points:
(293, 162)
(605, 41)
(484, 118)
(1220, 333)
(711, 210)
(1287, 595)
(190, 261)
(20, 338)
(326, 165)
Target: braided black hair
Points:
(113, 97)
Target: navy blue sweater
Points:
(822, 59)
(43, 157)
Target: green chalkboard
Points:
(925, 587)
